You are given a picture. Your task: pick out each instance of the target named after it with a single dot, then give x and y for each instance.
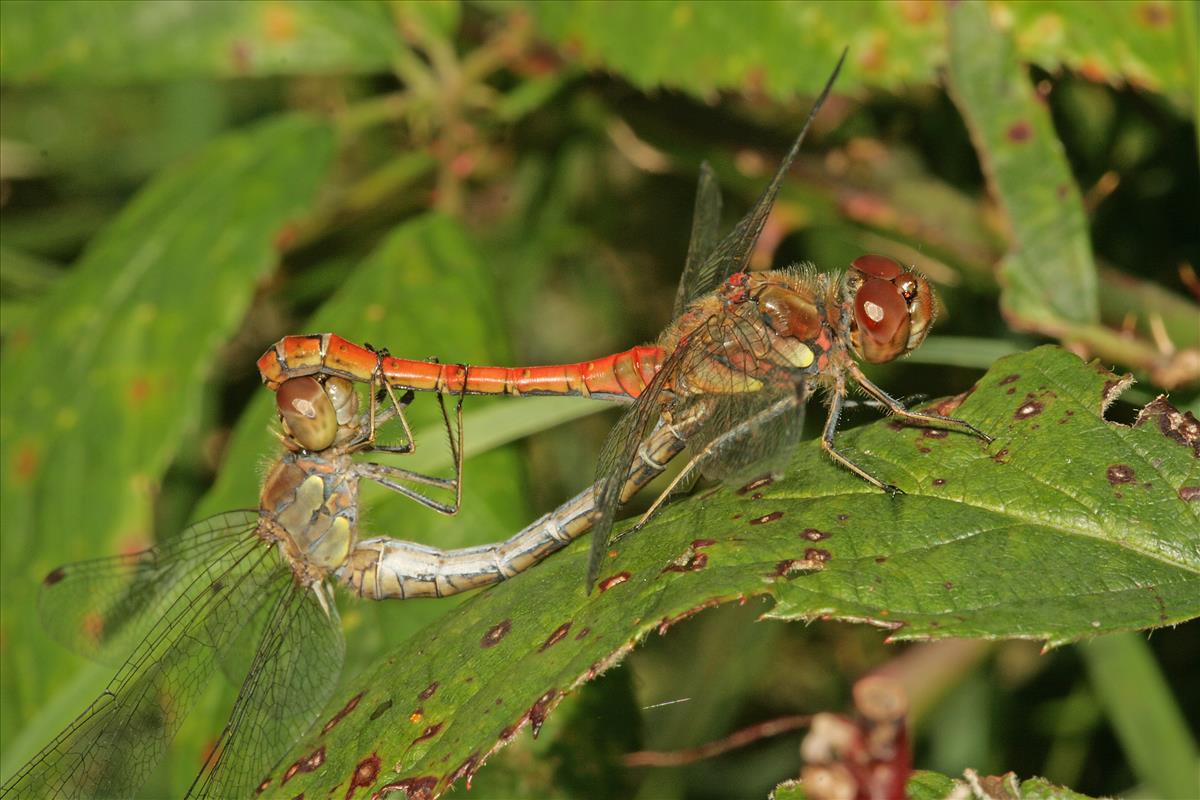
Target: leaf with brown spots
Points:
(1033, 545)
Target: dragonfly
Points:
(743, 354)
(250, 593)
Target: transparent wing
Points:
(102, 607)
(732, 254)
(294, 672)
(111, 748)
(698, 278)
(742, 423)
(621, 448)
(748, 435)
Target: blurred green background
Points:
(182, 183)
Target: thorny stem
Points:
(741, 738)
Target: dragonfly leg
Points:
(455, 434)
(745, 426)
(837, 399)
(897, 408)
(389, 477)
(395, 409)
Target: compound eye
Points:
(875, 266)
(343, 397)
(307, 413)
(880, 310)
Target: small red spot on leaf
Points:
(692, 559)
(817, 554)
(350, 706)
(757, 483)
(1028, 409)
(559, 633)
(1120, 473)
(307, 764)
(612, 581)
(364, 775)
(428, 691)
(1007, 379)
(582, 634)
(791, 567)
(814, 535)
(763, 520)
(939, 481)
(1020, 131)
(539, 710)
(428, 733)
(25, 462)
(1189, 494)
(138, 390)
(496, 633)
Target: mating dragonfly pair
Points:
(249, 591)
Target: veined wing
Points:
(698, 278)
(733, 253)
(620, 450)
(102, 607)
(293, 674)
(716, 388)
(749, 434)
(111, 748)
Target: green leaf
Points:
(1049, 275)
(934, 786)
(124, 41)
(108, 374)
(1066, 527)
(1147, 720)
(1150, 45)
(783, 48)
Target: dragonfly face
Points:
(888, 309)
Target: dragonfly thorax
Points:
(310, 502)
(887, 309)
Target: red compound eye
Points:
(878, 266)
(879, 309)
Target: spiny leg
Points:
(388, 476)
(768, 413)
(836, 400)
(896, 407)
(376, 418)
(455, 436)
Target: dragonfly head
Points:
(313, 412)
(890, 308)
